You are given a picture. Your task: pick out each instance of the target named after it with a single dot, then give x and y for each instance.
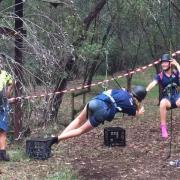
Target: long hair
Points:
(137, 103)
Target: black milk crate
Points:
(38, 148)
(114, 136)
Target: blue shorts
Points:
(99, 111)
(4, 118)
(172, 99)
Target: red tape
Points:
(140, 69)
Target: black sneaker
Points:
(4, 156)
(53, 140)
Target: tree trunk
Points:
(129, 80)
(62, 83)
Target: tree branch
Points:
(92, 15)
(175, 7)
(88, 20)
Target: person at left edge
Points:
(6, 89)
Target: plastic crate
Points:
(114, 136)
(38, 148)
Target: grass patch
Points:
(65, 174)
(4, 178)
(17, 155)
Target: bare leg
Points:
(164, 105)
(76, 132)
(178, 103)
(3, 138)
(77, 122)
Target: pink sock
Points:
(164, 131)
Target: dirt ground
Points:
(144, 156)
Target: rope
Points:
(116, 81)
(171, 134)
(105, 84)
(170, 49)
(170, 28)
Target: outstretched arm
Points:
(140, 111)
(10, 89)
(151, 85)
(9, 92)
(175, 63)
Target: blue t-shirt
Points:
(123, 99)
(164, 80)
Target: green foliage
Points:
(90, 50)
(73, 26)
(139, 31)
(7, 5)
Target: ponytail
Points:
(137, 104)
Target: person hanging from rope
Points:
(6, 89)
(104, 107)
(169, 82)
